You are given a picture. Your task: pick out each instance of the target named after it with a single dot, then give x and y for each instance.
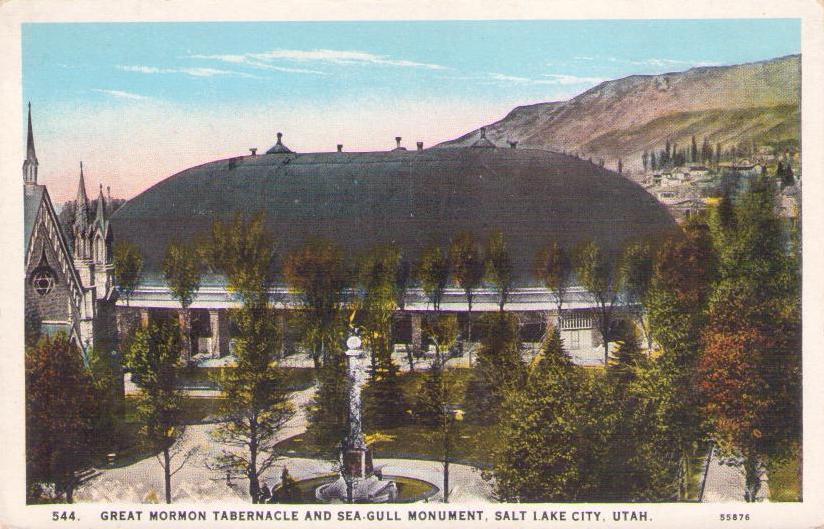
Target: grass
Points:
(785, 477)
(297, 378)
(195, 410)
(473, 444)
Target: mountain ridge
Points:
(622, 106)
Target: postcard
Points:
(372, 266)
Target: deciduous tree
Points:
(499, 267)
(597, 272)
(183, 270)
(128, 267)
(468, 265)
(433, 273)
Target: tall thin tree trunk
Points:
(167, 474)
(469, 328)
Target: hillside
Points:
(729, 104)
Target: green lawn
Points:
(297, 378)
(785, 477)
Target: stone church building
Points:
(69, 288)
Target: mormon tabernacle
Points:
(409, 198)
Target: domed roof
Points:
(412, 199)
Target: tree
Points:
(553, 267)
(635, 278)
(383, 402)
(553, 426)
(499, 368)
(499, 267)
(620, 166)
(693, 151)
(316, 273)
(750, 366)
(60, 415)
(433, 272)
(645, 159)
(597, 273)
(468, 265)
(182, 270)
(676, 307)
(153, 359)
(256, 403)
(128, 266)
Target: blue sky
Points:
(168, 95)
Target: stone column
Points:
(219, 325)
(144, 318)
(416, 318)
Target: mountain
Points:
(754, 102)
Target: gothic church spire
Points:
(81, 218)
(30, 164)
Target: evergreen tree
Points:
(383, 401)
(684, 271)
(499, 368)
(693, 151)
(553, 425)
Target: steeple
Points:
(100, 218)
(30, 164)
(81, 217)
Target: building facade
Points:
(68, 288)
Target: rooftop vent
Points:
(482, 142)
(279, 147)
(513, 144)
(420, 146)
(340, 147)
(253, 150)
(398, 144)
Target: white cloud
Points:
(557, 78)
(120, 94)
(552, 79)
(192, 72)
(321, 56)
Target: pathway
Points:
(142, 482)
(724, 483)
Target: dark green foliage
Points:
(128, 266)
(182, 270)
(499, 267)
(433, 273)
(60, 417)
(329, 412)
(383, 403)
(153, 360)
(498, 370)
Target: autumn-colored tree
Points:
(468, 265)
(317, 275)
(183, 271)
(128, 267)
(60, 415)
(597, 272)
(499, 267)
(750, 370)
(433, 273)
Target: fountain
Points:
(357, 482)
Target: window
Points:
(42, 280)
